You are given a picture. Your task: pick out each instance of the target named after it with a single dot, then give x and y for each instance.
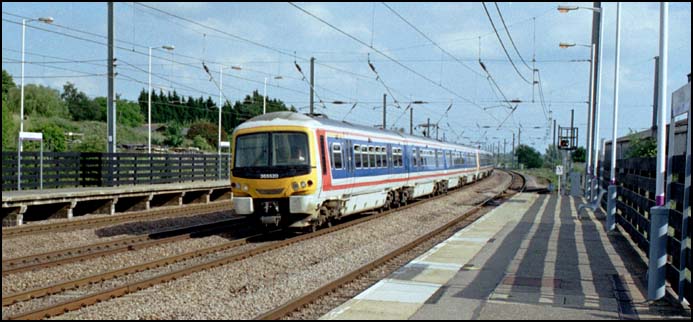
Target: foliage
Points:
(172, 107)
(92, 143)
(9, 127)
(81, 107)
(173, 134)
(640, 147)
(208, 131)
(53, 138)
(38, 100)
(579, 155)
(200, 143)
(7, 83)
(129, 113)
(552, 157)
(528, 156)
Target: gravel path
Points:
(245, 289)
(41, 243)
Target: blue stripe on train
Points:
(349, 169)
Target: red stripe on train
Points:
(330, 187)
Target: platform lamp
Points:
(47, 20)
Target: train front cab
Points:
(274, 174)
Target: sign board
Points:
(559, 170)
(31, 136)
(681, 100)
(225, 144)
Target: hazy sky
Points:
(262, 39)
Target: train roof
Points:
(318, 119)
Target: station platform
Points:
(533, 257)
(18, 206)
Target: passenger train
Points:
(303, 171)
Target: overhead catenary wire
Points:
(298, 68)
(255, 81)
(503, 45)
(431, 40)
(511, 37)
(390, 58)
(154, 56)
(382, 81)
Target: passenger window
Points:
(371, 157)
(414, 158)
(357, 157)
(337, 156)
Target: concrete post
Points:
(575, 184)
(656, 271)
(611, 208)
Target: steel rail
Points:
(74, 254)
(88, 300)
(298, 303)
(155, 213)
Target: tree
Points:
(552, 156)
(640, 147)
(528, 156)
(9, 127)
(80, 106)
(7, 82)
(579, 155)
(38, 100)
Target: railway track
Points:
(105, 220)
(75, 304)
(294, 307)
(64, 256)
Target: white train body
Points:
(343, 169)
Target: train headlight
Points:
(245, 187)
(294, 185)
(303, 184)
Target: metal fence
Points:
(76, 169)
(636, 189)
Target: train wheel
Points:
(389, 200)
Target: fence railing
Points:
(636, 190)
(76, 169)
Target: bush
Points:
(53, 138)
(208, 131)
(173, 135)
(641, 147)
(200, 143)
(92, 144)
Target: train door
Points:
(349, 164)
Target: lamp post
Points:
(590, 118)
(47, 20)
(566, 9)
(611, 197)
(264, 97)
(593, 125)
(221, 104)
(149, 97)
